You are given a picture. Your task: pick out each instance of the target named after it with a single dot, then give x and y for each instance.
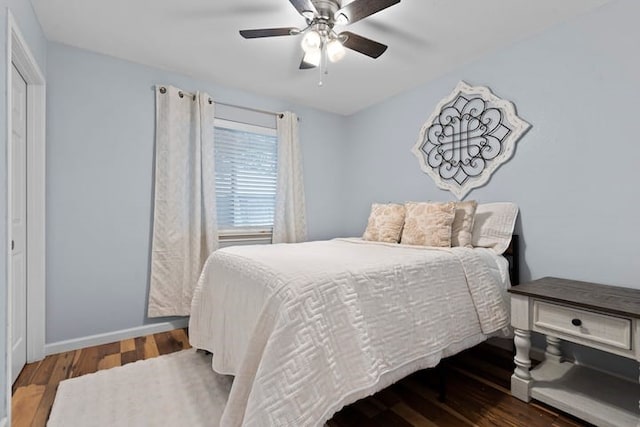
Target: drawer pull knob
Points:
(576, 322)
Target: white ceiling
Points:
(199, 38)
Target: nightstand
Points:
(603, 317)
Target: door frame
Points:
(19, 54)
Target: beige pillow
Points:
(462, 226)
(385, 223)
(428, 224)
(493, 226)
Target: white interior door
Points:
(18, 223)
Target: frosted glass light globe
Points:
(311, 41)
(313, 56)
(335, 50)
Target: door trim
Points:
(19, 53)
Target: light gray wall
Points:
(99, 185)
(574, 175)
(30, 28)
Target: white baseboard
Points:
(109, 337)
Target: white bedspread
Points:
(308, 328)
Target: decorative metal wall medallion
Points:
(469, 135)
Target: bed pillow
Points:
(493, 226)
(385, 223)
(428, 224)
(462, 226)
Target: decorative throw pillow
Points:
(428, 224)
(385, 223)
(493, 226)
(463, 223)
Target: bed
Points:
(311, 327)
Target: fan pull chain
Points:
(324, 65)
(322, 60)
(326, 61)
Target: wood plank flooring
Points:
(477, 389)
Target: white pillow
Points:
(493, 226)
(462, 226)
(385, 223)
(428, 224)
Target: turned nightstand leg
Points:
(552, 351)
(521, 378)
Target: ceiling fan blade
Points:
(360, 9)
(269, 32)
(363, 45)
(304, 8)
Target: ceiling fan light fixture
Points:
(313, 57)
(311, 41)
(335, 50)
(321, 42)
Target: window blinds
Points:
(246, 172)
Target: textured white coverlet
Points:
(310, 327)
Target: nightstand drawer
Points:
(583, 325)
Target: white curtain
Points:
(184, 217)
(289, 223)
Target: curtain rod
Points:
(181, 93)
(256, 110)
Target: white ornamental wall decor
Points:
(469, 135)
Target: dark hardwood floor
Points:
(477, 389)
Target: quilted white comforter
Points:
(308, 328)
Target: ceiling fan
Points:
(321, 41)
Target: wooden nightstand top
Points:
(608, 299)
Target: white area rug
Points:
(178, 389)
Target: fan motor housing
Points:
(326, 8)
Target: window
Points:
(246, 172)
